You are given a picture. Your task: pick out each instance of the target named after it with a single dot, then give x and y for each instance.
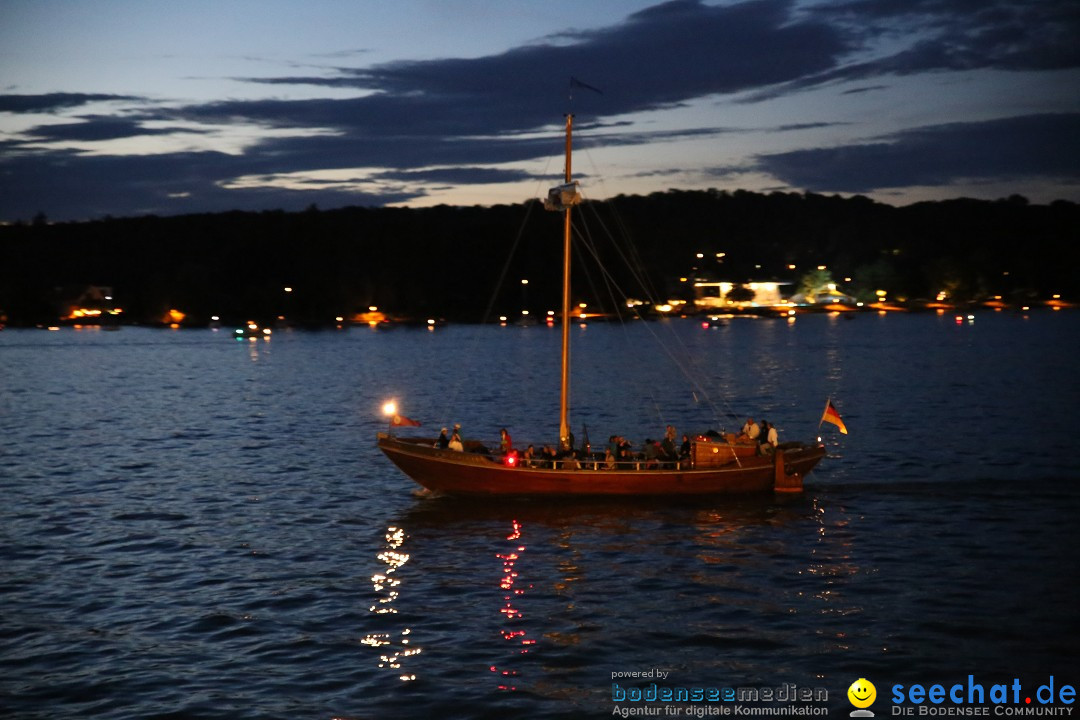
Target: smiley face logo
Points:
(862, 693)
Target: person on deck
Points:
(505, 444)
(443, 442)
(773, 437)
(750, 429)
(668, 453)
(768, 438)
(651, 453)
(549, 456)
(455, 441)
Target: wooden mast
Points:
(564, 396)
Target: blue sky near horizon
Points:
(131, 107)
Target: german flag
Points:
(831, 416)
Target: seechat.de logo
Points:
(862, 694)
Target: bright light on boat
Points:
(373, 308)
(431, 321)
(390, 408)
(288, 289)
(524, 312)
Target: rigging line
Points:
(676, 361)
(638, 277)
(587, 242)
(636, 262)
(635, 266)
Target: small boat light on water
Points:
(390, 409)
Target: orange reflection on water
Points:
(518, 637)
(398, 645)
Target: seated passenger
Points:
(750, 430)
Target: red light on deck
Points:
(511, 459)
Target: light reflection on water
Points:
(396, 646)
(203, 527)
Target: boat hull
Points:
(475, 474)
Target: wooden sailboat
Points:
(716, 464)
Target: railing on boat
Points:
(705, 453)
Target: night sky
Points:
(131, 107)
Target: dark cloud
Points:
(96, 186)
(458, 175)
(101, 127)
(868, 88)
(54, 101)
(1034, 146)
(956, 35)
(663, 56)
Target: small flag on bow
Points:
(402, 421)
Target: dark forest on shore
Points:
(446, 261)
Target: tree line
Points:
(467, 263)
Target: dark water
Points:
(194, 527)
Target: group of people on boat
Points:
(764, 435)
(619, 452)
(451, 442)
